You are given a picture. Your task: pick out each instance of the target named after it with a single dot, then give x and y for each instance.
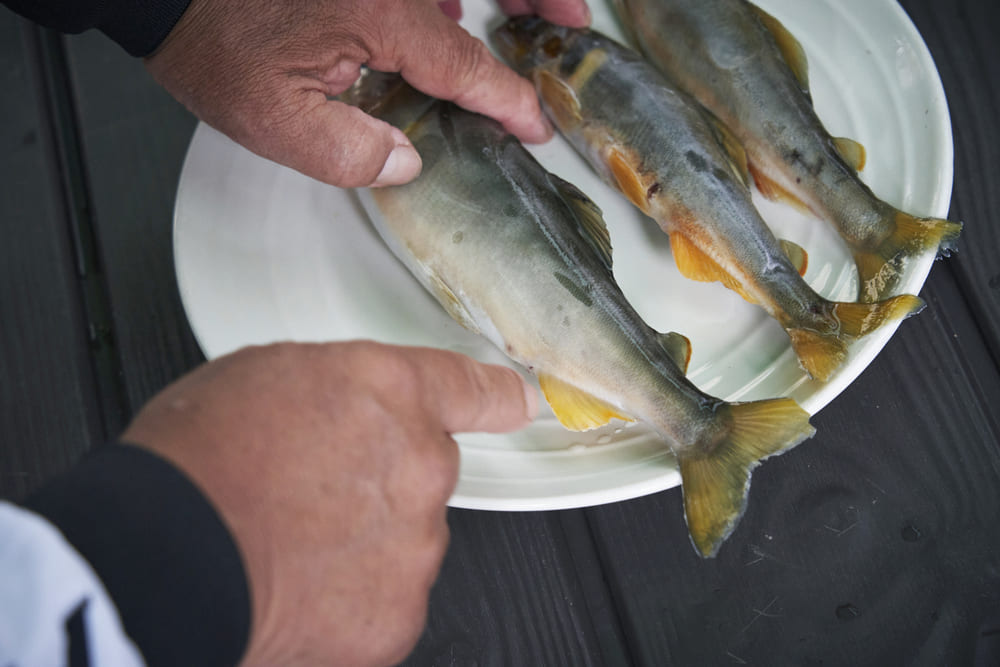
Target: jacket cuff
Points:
(140, 27)
(162, 552)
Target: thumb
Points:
(338, 144)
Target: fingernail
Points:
(530, 401)
(402, 165)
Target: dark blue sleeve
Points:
(139, 26)
(162, 552)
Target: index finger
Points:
(437, 56)
(470, 396)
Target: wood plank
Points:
(48, 412)
(877, 542)
(961, 36)
(134, 137)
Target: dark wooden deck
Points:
(875, 543)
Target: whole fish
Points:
(744, 66)
(681, 167)
(523, 258)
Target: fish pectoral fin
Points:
(853, 152)
(734, 149)
(790, 48)
(628, 178)
(693, 263)
(451, 303)
(678, 348)
(560, 98)
(574, 408)
(771, 190)
(797, 255)
(591, 218)
(715, 477)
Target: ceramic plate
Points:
(265, 254)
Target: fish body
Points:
(523, 258)
(681, 166)
(745, 67)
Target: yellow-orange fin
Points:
(715, 478)
(790, 48)
(879, 270)
(797, 255)
(695, 264)
(560, 98)
(771, 190)
(678, 348)
(854, 153)
(574, 408)
(628, 177)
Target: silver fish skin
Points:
(744, 66)
(678, 165)
(523, 258)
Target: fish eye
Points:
(552, 47)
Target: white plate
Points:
(265, 254)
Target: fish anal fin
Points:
(560, 98)
(734, 149)
(590, 217)
(715, 478)
(574, 408)
(625, 170)
(797, 255)
(678, 348)
(695, 264)
(790, 48)
(854, 153)
(775, 192)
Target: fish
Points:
(742, 64)
(518, 255)
(681, 166)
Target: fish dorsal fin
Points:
(560, 98)
(629, 179)
(797, 255)
(678, 348)
(693, 263)
(852, 152)
(590, 216)
(791, 49)
(771, 190)
(574, 408)
(733, 147)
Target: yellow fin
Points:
(678, 348)
(451, 303)
(591, 62)
(560, 98)
(879, 269)
(715, 478)
(822, 353)
(790, 48)
(797, 255)
(574, 408)
(853, 152)
(733, 147)
(693, 263)
(775, 192)
(591, 218)
(628, 178)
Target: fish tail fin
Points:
(822, 352)
(715, 479)
(879, 269)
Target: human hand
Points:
(331, 466)
(262, 72)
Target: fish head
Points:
(529, 43)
